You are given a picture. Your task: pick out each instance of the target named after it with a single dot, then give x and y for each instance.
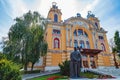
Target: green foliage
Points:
(65, 68)
(117, 40)
(114, 50)
(26, 38)
(9, 70)
(89, 75)
(2, 56)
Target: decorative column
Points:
(95, 60)
(67, 36)
(88, 57)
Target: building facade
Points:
(63, 36)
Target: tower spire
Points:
(54, 13)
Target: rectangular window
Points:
(100, 37)
(56, 31)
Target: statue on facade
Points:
(75, 63)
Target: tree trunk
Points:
(115, 62)
(32, 66)
(25, 66)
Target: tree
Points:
(114, 51)
(116, 47)
(39, 45)
(26, 38)
(2, 56)
(117, 40)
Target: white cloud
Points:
(69, 8)
(14, 8)
(89, 7)
(17, 8)
(34, 6)
(111, 25)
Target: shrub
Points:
(9, 70)
(65, 68)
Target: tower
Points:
(94, 19)
(54, 13)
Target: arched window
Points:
(103, 47)
(82, 44)
(75, 33)
(56, 43)
(88, 45)
(55, 18)
(75, 43)
(80, 32)
(86, 35)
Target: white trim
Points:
(50, 68)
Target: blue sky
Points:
(108, 11)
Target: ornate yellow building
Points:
(63, 36)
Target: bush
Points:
(65, 68)
(9, 70)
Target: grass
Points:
(85, 75)
(89, 75)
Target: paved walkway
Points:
(29, 76)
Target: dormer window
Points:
(55, 18)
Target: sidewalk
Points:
(29, 76)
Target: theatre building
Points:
(63, 36)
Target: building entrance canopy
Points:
(93, 51)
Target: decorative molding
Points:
(106, 54)
(59, 51)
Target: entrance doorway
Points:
(92, 64)
(85, 64)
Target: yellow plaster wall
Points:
(63, 39)
(49, 36)
(57, 58)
